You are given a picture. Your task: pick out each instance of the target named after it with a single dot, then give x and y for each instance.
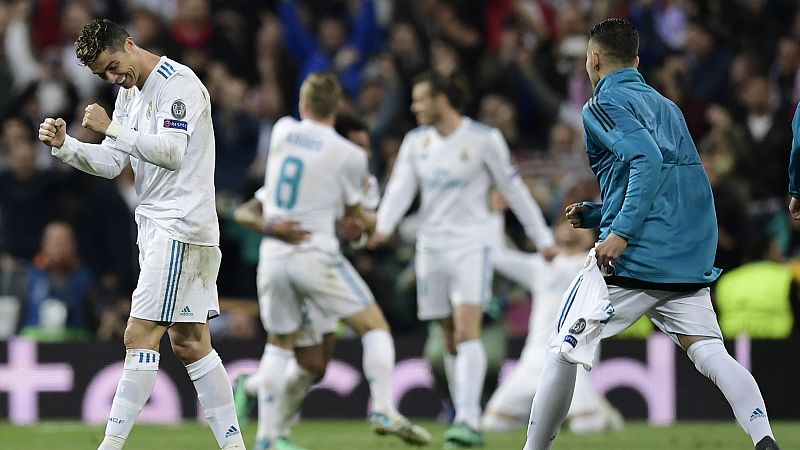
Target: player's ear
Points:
(596, 61)
(636, 63)
(128, 44)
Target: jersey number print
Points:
(289, 182)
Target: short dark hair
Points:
(98, 36)
(454, 87)
(617, 38)
(347, 123)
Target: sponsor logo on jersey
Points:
(177, 124)
(578, 326)
(178, 109)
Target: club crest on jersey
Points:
(149, 111)
(176, 124)
(178, 109)
(425, 142)
(465, 154)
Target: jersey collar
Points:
(623, 75)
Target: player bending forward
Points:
(312, 174)
(162, 124)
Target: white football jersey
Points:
(173, 107)
(454, 175)
(312, 173)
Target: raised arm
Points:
(177, 112)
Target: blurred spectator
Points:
(28, 199)
(331, 48)
(236, 135)
(56, 297)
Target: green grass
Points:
(354, 435)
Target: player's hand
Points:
(376, 240)
(351, 228)
(794, 208)
(608, 251)
(574, 213)
(548, 253)
(53, 132)
(96, 119)
(288, 231)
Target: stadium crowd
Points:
(67, 240)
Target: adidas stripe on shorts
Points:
(177, 281)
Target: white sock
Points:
(216, 397)
(450, 374)
(470, 371)
(254, 380)
(298, 382)
(271, 389)
(112, 443)
(740, 389)
(550, 406)
(378, 365)
(138, 378)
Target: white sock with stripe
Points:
(470, 371)
(298, 382)
(270, 391)
(216, 397)
(134, 388)
(740, 389)
(378, 364)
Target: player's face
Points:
(423, 104)
(116, 67)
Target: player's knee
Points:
(315, 366)
(138, 336)
(188, 351)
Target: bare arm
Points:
(250, 216)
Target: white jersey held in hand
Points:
(312, 173)
(454, 175)
(165, 130)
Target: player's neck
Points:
(148, 62)
(328, 122)
(448, 123)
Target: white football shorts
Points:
(327, 280)
(177, 281)
(674, 313)
(459, 276)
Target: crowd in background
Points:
(67, 240)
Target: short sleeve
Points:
(261, 195)
(181, 104)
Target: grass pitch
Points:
(356, 435)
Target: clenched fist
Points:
(96, 119)
(53, 132)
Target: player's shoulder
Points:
(173, 75)
(419, 132)
(285, 122)
(478, 128)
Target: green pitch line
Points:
(356, 435)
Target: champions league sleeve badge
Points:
(178, 109)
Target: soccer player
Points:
(161, 124)
(312, 174)
(658, 236)
(454, 161)
(510, 404)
